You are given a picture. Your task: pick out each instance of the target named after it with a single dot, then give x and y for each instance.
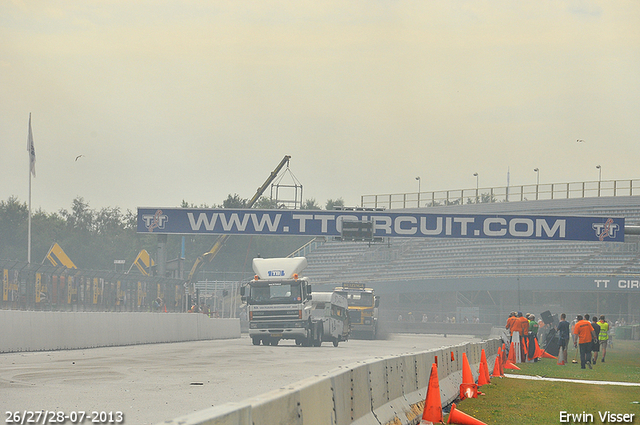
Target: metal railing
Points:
(503, 194)
(307, 248)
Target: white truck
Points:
(279, 303)
(333, 310)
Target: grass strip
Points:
(523, 402)
(622, 364)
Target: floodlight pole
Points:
(477, 194)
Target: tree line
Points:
(94, 238)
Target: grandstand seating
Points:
(424, 258)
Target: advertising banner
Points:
(186, 221)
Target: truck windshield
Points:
(358, 299)
(275, 293)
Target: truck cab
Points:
(279, 303)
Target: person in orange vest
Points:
(510, 322)
(584, 331)
(523, 325)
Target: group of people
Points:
(591, 336)
(527, 328)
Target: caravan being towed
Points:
(279, 303)
(333, 309)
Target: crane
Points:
(210, 255)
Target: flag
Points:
(32, 150)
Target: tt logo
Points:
(155, 221)
(606, 229)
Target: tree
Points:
(80, 217)
(13, 229)
(483, 199)
(234, 201)
(266, 203)
(310, 204)
(331, 203)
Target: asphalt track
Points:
(156, 382)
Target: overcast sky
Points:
(194, 100)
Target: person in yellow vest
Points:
(603, 336)
(533, 336)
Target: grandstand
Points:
(423, 275)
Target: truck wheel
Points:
(307, 342)
(274, 342)
(317, 341)
(256, 341)
(335, 342)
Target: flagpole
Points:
(31, 150)
(29, 227)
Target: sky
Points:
(195, 100)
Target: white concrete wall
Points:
(56, 330)
(375, 392)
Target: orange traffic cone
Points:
(483, 360)
(452, 358)
(512, 354)
(461, 418)
(497, 373)
(504, 354)
(467, 376)
(539, 351)
(432, 404)
(547, 355)
(482, 375)
(496, 365)
(469, 391)
(510, 365)
(468, 388)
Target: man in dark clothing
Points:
(595, 344)
(563, 336)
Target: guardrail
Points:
(503, 194)
(379, 391)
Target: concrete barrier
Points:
(381, 391)
(57, 330)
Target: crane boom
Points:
(210, 255)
